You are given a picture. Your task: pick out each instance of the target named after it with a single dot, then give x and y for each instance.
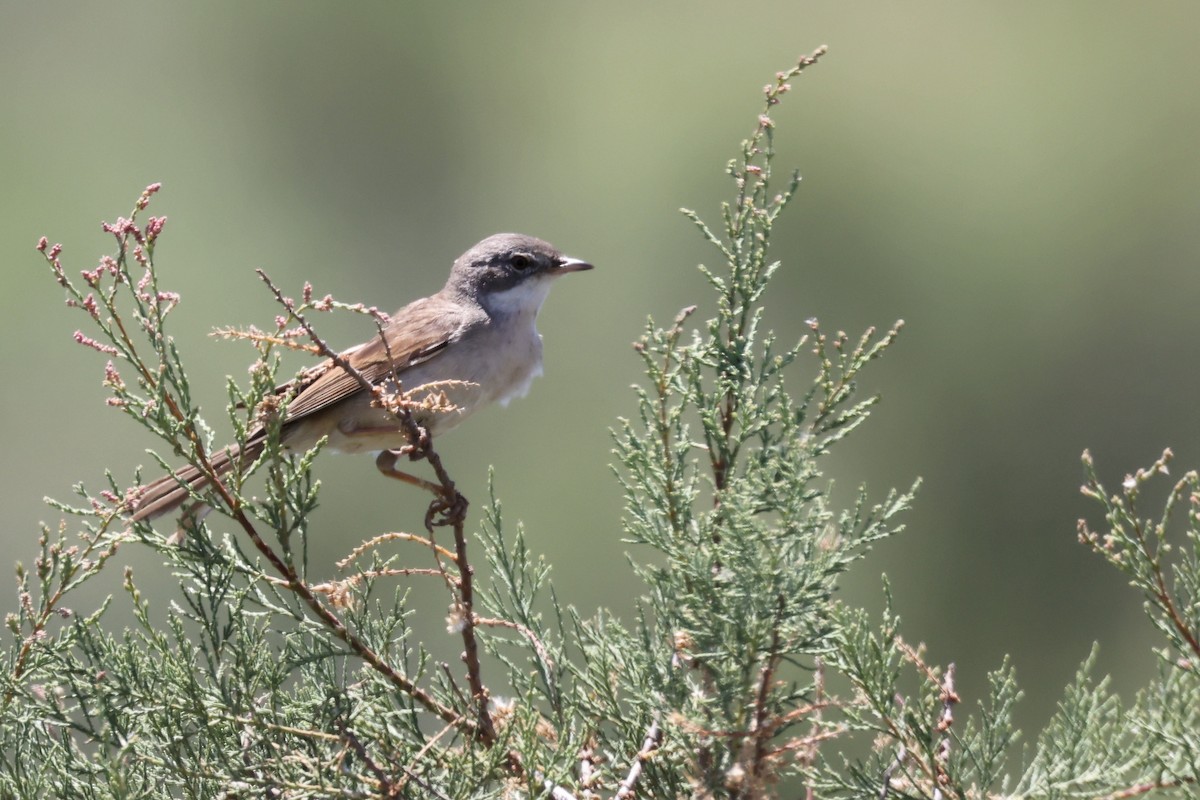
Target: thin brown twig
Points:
(449, 503)
(456, 518)
(341, 585)
(937, 771)
(385, 783)
(258, 337)
(252, 721)
(453, 684)
(1146, 788)
(1163, 595)
(375, 541)
(913, 654)
(808, 742)
(387, 787)
(773, 725)
(410, 770)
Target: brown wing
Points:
(416, 334)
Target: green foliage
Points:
(740, 677)
(724, 493)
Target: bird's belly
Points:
(356, 426)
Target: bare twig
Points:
(653, 738)
(557, 792)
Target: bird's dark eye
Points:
(520, 262)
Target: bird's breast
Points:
(517, 361)
(493, 363)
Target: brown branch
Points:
(453, 683)
(773, 725)
(360, 648)
(762, 731)
(385, 783)
(470, 654)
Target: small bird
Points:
(475, 341)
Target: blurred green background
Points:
(1019, 181)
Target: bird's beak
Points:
(567, 264)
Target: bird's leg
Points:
(386, 463)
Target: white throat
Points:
(519, 352)
(522, 300)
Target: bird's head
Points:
(510, 273)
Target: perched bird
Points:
(475, 341)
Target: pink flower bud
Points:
(87, 341)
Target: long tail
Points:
(170, 492)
